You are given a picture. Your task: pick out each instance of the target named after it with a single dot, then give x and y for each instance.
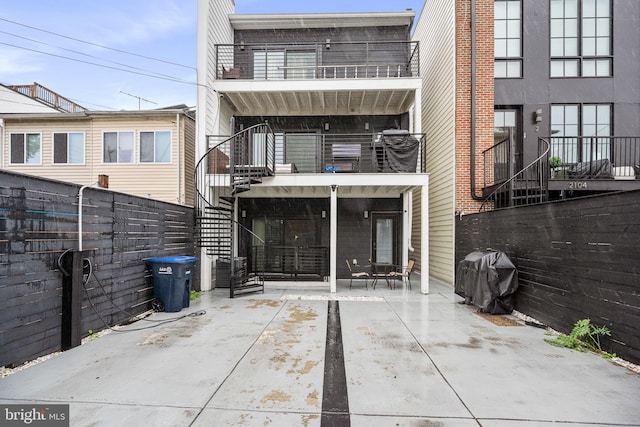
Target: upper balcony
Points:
(319, 78)
(390, 151)
(310, 61)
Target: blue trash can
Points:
(172, 280)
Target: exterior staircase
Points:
(230, 167)
(526, 187)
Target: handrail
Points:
(203, 202)
(49, 97)
(498, 151)
(199, 195)
(530, 166)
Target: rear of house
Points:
(327, 107)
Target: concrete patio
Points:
(257, 360)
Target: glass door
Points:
(508, 155)
(384, 236)
(301, 149)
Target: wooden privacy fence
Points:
(576, 259)
(39, 222)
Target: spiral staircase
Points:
(229, 167)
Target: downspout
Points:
(472, 133)
(179, 198)
(80, 214)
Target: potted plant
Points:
(554, 163)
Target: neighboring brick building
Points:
(540, 83)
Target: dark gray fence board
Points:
(39, 221)
(576, 259)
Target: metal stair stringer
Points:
(228, 168)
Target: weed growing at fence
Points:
(194, 295)
(584, 336)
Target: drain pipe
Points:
(472, 133)
(80, 214)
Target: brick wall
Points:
(484, 97)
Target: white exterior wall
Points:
(161, 181)
(14, 102)
(213, 28)
(435, 30)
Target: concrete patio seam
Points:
(235, 366)
(435, 366)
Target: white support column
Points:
(424, 243)
(333, 239)
(406, 227)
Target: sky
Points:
(125, 54)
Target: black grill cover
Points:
(397, 151)
(488, 280)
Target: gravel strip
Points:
(618, 361)
(5, 372)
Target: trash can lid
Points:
(177, 259)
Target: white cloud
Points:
(16, 62)
(127, 27)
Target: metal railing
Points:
(527, 186)
(594, 157)
(497, 163)
(322, 60)
(231, 162)
(291, 261)
(49, 97)
(231, 165)
(330, 153)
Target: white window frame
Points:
(155, 146)
(67, 162)
(118, 148)
(24, 148)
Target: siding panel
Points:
(436, 32)
(158, 181)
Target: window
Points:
(580, 36)
(281, 64)
(26, 148)
(68, 148)
(301, 65)
(117, 147)
(155, 147)
(507, 39)
(596, 121)
(577, 131)
(268, 65)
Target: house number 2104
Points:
(576, 185)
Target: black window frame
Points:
(508, 59)
(580, 58)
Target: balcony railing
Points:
(326, 60)
(49, 97)
(594, 157)
(335, 153)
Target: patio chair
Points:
(405, 273)
(357, 275)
